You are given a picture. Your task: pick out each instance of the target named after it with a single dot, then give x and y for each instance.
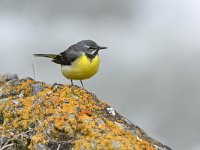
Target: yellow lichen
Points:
(68, 110)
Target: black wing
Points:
(67, 57)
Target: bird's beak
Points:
(102, 47)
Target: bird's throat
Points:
(92, 55)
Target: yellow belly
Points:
(82, 68)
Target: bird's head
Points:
(90, 48)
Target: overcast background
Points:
(150, 73)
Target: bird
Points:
(79, 62)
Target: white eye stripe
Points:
(86, 46)
(90, 47)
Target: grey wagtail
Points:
(79, 62)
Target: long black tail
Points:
(46, 55)
(55, 58)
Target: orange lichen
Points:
(64, 113)
(39, 138)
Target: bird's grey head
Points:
(90, 48)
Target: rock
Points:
(65, 117)
(3, 140)
(37, 88)
(116, 145)
(41, 147)
(7, 77)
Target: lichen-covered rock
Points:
(35, 115)
(7, 77)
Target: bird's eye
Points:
(92, 48)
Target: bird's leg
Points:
(72, 82)
(82, 84)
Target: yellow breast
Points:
(82, 68)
